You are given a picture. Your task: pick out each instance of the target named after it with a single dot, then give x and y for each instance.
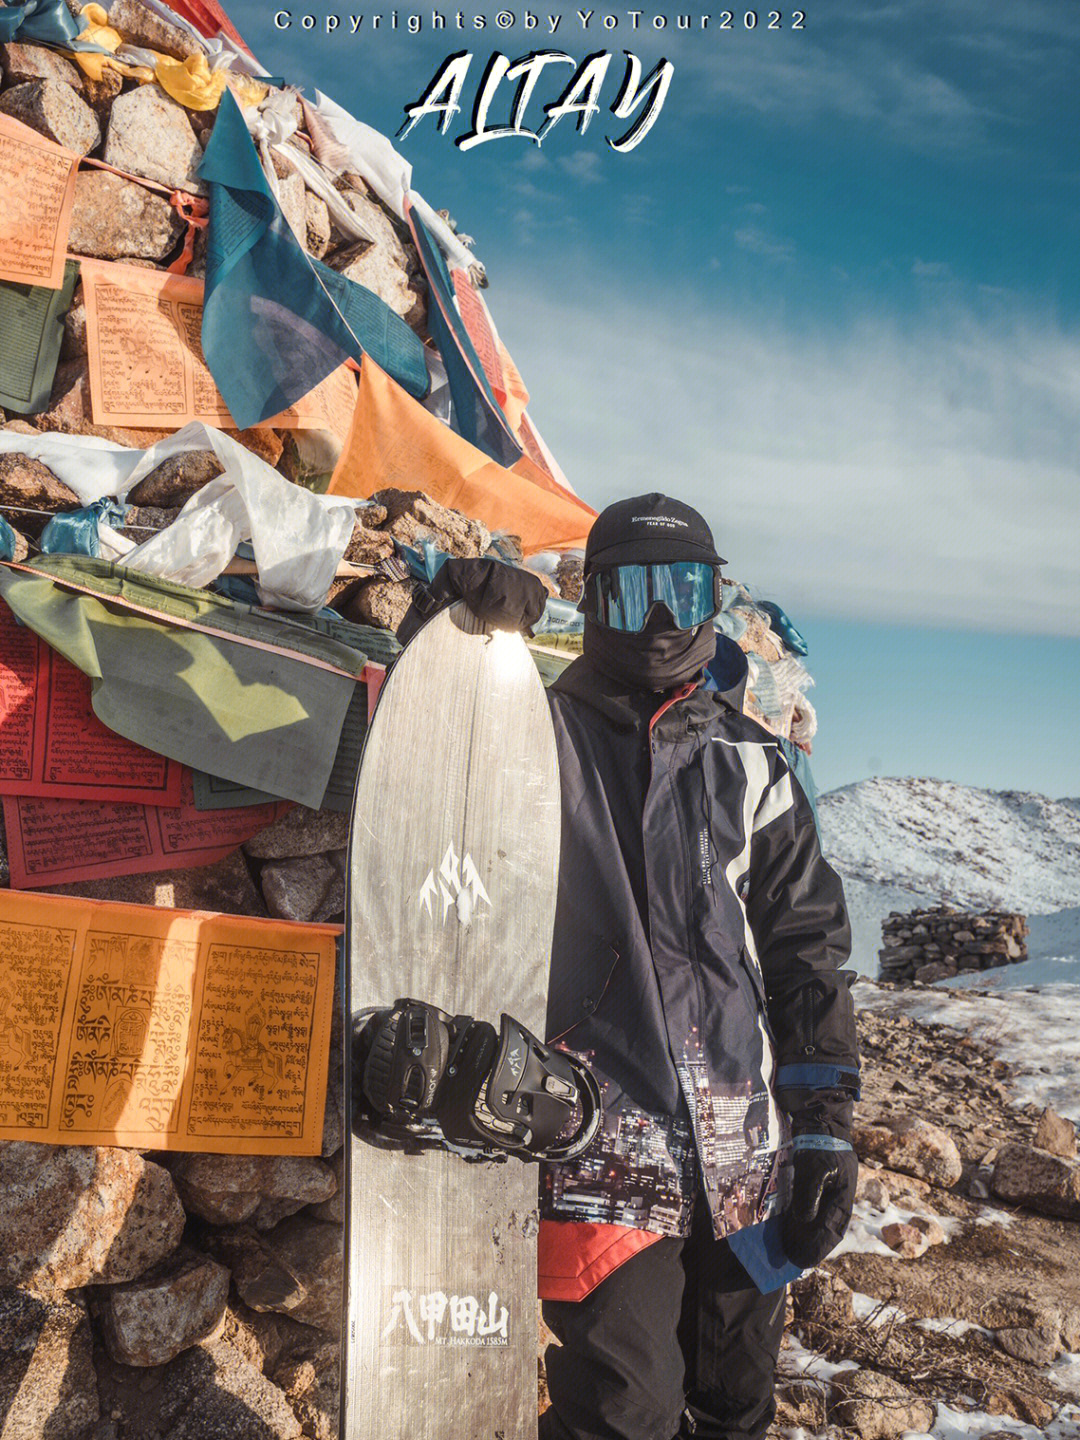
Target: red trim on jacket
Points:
(676, 695)
(573, 1256)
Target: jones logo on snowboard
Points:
(459, 885)
(435, 1318)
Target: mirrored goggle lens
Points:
(627, 594)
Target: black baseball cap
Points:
(649, 530)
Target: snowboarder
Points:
(696, 961)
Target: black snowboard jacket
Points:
(708, 999)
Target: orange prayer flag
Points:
(395, 443)
(517, 397)
(170, 1029)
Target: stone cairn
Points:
(929, 945)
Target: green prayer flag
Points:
(255, 697)
(32, 326)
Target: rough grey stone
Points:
(99, 94)
(311, 1384)
(1036, 1178)
(877, 1407)
(384, 266)
(383, 603)
(55, 110)
(225, 886)
(1056, 1134)
(215, 1392)
(75, 1214)
(30, 484)
(36, 62)
(150, 134)
(308, 888)
(413, 516)
(317, 225)
(912, 1146)
(291, 192)
(151, 1320)
(47, 1383)
(226, 1189)
(140, 26)
(1034, 1344)
(300, 831)
(313, 1253)
(332, 1211)
(173, 482)
(116, 219)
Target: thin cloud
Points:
(757, 241)
(583, 165)
(925, 475)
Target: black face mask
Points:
(656, 658)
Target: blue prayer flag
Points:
(275, 322)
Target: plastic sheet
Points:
(762, 686)
(560, 617)
(791, 678)
(297, 538)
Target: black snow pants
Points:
(675, 1343)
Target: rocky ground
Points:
(959, 1288)
(158, 1297)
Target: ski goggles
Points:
(623, 597)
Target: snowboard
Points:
(452, 868)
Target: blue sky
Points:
(831, 299)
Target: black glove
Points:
(822, 1196)
(501, 596)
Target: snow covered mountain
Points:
(904, 843)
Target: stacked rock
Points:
(934, 944)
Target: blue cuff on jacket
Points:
(759, 1251)
(818, 1077)
(819, 1142)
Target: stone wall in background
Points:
(934, 944)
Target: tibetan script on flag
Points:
(147, 368)
(37, 181)
(171, 1029)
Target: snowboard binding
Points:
(489, 1094)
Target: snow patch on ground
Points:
(863, 1235)
(875, 1313)
(1034, 1029)
(939, 1324)
(795, 1359)
(952, 1424)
